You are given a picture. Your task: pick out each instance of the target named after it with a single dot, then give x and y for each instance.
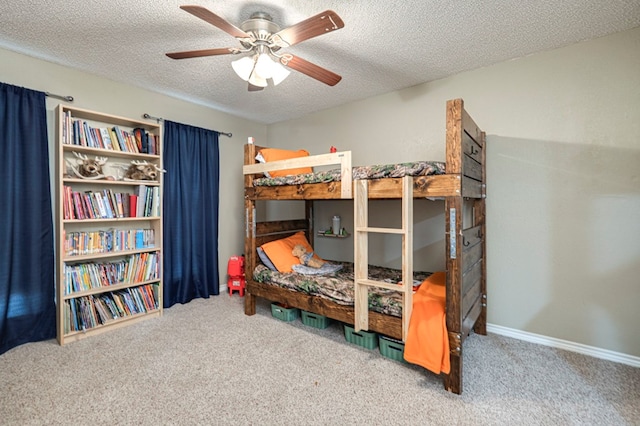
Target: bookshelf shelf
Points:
(115, 219)
(109, 182)
(107, 255)
(74, 336)
(324, 234)
(114, 287)
(109, 230)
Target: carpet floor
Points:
(206, 363)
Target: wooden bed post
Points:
(453, 209)
(453, 247)
(249, 232)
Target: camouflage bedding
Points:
(417, 168)
(339, 286)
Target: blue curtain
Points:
(27, 305)
(190, 233)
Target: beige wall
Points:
(563, 172)
(103, 95)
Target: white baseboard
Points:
(621, 358)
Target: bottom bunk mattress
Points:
(338, 286)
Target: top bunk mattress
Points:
(416, 168)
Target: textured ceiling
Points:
(384, 45)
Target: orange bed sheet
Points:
(427, 342)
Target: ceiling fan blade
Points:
(310, 69)
(314, 26)
(215, 20)
(200, 53)
(253, 88)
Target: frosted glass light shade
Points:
(278, 73)
(243, 67)
(264, 66)
(256, 80)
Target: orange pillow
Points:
(279, 251)
(274, 154)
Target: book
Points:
(121, 140)
(133, 205)
(106, 138)
(114, 140)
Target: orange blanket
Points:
(427, 342)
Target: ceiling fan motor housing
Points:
(260, 25)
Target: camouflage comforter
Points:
(339, 286)
(418, 168)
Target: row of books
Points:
(83, 313)
(107, 204)
(86, 276)
(79, 132)
(112, 240)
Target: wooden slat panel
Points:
(471, 257)
(470, 127)
(271, 227)
(479, 219)
(471, 318)
(471, 188)
(471, 297)
(471, 148)
(471, 236)
(472, 168)
(471, 276)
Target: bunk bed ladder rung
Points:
(361, 254)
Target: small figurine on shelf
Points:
(88, 168)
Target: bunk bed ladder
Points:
(361, 254)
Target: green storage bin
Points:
(366, 339)
(392, 348)
(315, 320)
(284, 314)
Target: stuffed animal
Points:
(142, 170)
(88, 168)
(305, 257)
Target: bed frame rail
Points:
(342, 158)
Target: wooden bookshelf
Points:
(108, 228)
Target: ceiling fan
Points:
(262, 39)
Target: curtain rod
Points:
(158, 119)
(61, 97)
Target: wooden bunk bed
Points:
(462, 186)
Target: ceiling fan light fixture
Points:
(243, 67)
(261, 38)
